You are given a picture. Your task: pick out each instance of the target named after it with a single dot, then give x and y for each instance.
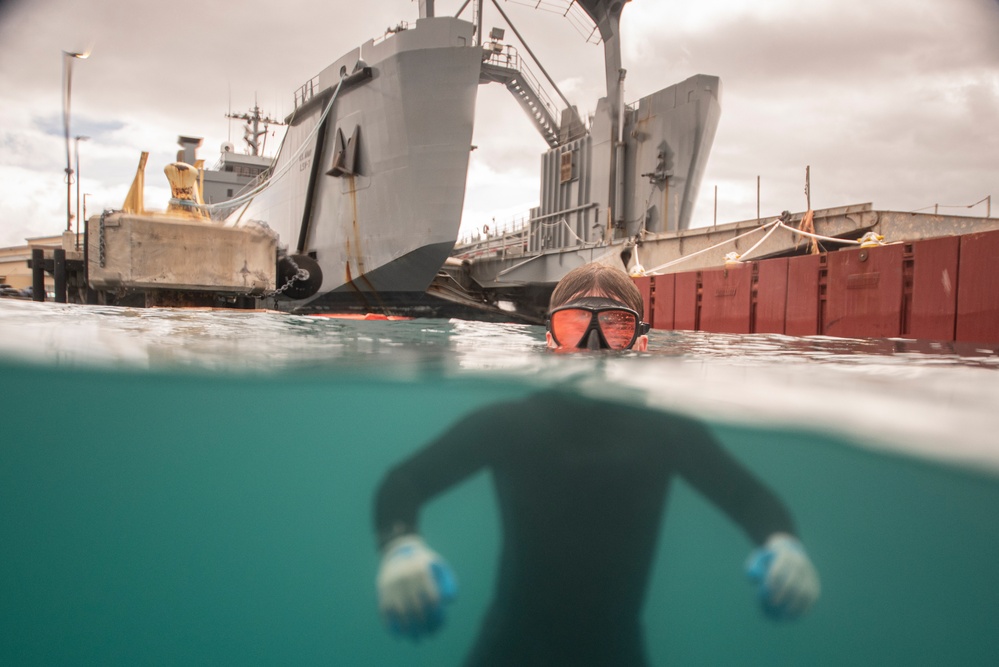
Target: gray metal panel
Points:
(680, 121)
(602, 150)
(565, 216)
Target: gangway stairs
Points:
(502, 64)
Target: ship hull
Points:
(374, 191)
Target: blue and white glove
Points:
(414, 584)
(788, 584)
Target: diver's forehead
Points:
(594, 301)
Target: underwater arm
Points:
(787, 583)
(414, 583)
(454, 456)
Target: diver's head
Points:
(596, 307)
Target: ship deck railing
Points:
(307, 91)
(390, 32)
(520, 237)
(511, 240)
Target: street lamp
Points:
(85, 195)
(67, 86)
(78, 138)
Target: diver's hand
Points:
(414, 584)
(788, 584)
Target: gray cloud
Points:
(887, 100)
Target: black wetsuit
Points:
(582, 487)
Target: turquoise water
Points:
(196, 488)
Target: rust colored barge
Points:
(944, 289)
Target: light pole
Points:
(85, 195)
(67, 87)
(78, 138)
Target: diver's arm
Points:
(723, 480)
(457, 454)
(787, 583)
(414, 583)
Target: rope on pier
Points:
(869, 239)
(655, 270)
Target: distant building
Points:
(14, 270)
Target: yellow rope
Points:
(807, 227)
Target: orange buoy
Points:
(361, 316)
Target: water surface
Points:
(191, 487)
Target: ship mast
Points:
(252, 131)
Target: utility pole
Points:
(808, 187)
(757, 200)
(79, 138)
(67, 90)
(85, 195)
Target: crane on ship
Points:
(596, 21)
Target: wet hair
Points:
(605, 280)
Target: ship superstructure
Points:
(234, 172)
(633, 171)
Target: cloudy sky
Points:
(894, 102)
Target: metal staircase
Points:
(504, 65)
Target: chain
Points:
(300, 274)
(102, 248)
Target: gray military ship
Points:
(367, 189)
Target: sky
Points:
(893, 102)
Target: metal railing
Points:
(507, 57)
(306, 92)
(571, 11)
(524, 235)
(936, 207)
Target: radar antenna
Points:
(252, 131)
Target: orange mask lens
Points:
(618, 327)
(569, 325)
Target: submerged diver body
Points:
(581, 486)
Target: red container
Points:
(934, 289)
(686, 300)
(802, 315)
(864, 292)
(770, 297)
(662, 309)
(937, 289)
(978, 289)
(726, 298)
